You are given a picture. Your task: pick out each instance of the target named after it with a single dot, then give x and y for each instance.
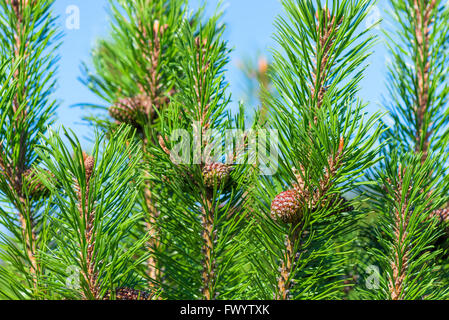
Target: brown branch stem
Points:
(153, 243)
(326, 37)
(422, 65)
(399, 263)
(288, 264)
(15, 174)
(208, 235)
(90, 275)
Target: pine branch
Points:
(316, 122)
(90, 276)
(95, 201)
(418, 95)
(27, 33)
(201, 196)
(326, 38)
(287, 267)
(417, 89)
(399, 265)
(208, 234)
(422, 18)
(407, 231)
(133, 73)
(20, 36)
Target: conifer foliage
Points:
(94, 196)
(204, 262)
(325, 144)
(28, 38)
(410, 192)
(179, 197)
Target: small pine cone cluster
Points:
(287, 206)
(216, 174)
(129, 294)
(36, 189)
(131, 110)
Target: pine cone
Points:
(36, 189)
(129, 294)
(125, 111)
(286, 207)
(216, 173)
(89, 163)
(131, 110)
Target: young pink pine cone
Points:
(89, 163)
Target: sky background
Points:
(249, 31)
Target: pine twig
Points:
(156, 102)
(326, 37)
(208, 235)
(422, 64)
(288, 264)
(90, 275)
(399, 263)
(16, 175)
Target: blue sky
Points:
(249, 30)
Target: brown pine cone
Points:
(129, 294)
(125, 111)
(286, 207)
(216, 173)
(131, 110)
